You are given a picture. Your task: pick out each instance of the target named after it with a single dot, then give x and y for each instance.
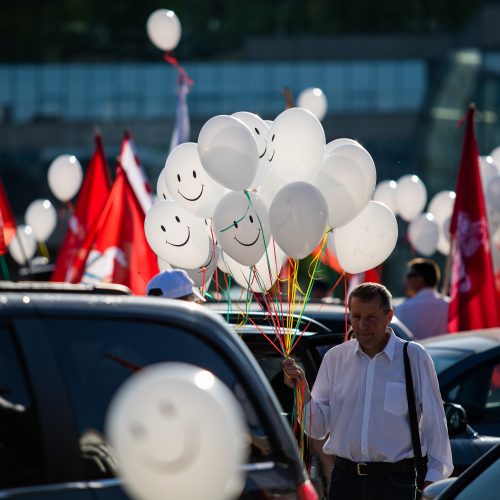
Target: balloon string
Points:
(43, 249)
(183, 76)
(5, 269)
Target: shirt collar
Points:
(389, 348)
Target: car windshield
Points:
(446, 357)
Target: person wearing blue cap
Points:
(174, 284)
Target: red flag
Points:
(7, 221)
(91, 201)
(473, 298)
(130, 162)
(116, 250)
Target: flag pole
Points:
(447, 270)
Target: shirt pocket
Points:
(395, 401)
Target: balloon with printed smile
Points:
(241, 226)
(178, 432)
(295, 145)
(188, 183)
(176, 235)
(259, 129)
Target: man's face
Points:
(369, 322)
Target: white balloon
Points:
(411, 196)
(228, 152)
(42, 217)
(162, 193)
(340, 142)
(423, 234)
(347, 180)
(385, 192)
(188, 183)
(65, 177)
(23, 246)
(493, 192)
(176, 235)
(221, 262)
(269, 189)
(203, 274)
(178, 431)
(487, 169)
(314, 100)
(242, 226)
(259, 129)
(298, 217)
(443, 245)
(163, 265)
(495, 155)
(367, 240)
(295, 145)
(263, 275)
(164, 29)
(441, 205)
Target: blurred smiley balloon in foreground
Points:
(178, 432)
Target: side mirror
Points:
(456, 419)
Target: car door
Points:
(96, 355)
(474, 383)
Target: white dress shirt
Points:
(361, 402)
(425, 314)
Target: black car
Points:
(468, 366)
(479, 481)
(63, 356)
(322, 317)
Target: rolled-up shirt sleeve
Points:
(317, 411)
(433, 427)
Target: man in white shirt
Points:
(425, 312)
(359, 400)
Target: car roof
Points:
(473, 341)
(315, 312)
(59, 287)
(278, 321)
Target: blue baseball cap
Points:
(173, 284)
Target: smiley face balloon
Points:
(259, 129)
(178, 432)
(176, 235)
(190, 186)
(241, 226)
(295, 145)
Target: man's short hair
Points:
(368, 291)
(427, 268)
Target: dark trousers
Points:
(346, 484)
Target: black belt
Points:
(369, 468)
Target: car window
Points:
(99, 355)
(484, 486)
(478, 391)
(270, 361)
(21, 461)
(444, 358)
